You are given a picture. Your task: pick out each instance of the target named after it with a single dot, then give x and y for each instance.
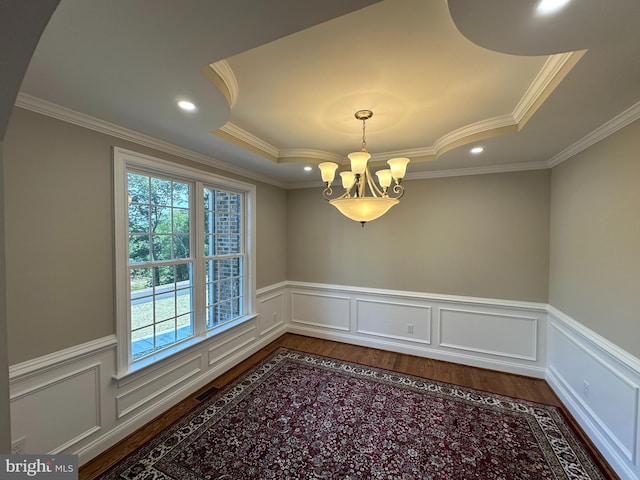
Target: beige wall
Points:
(595, 238)
(59, 233)
(5, 418)
(271, 239)
(482, 235)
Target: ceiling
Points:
(277, 82)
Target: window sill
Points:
(156, 361)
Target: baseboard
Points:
(386, 344)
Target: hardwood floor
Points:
(527, 388)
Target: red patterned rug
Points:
(303, 416)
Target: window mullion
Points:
(200, 320)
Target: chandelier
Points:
(354, 203)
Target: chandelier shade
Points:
(354, 203)
(365, 209)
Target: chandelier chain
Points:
(364, 136)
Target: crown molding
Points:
(294, 153)
(457, 172)
(59, 112)
(224, 71)
(553, 67)
(618, 122)
(473, 129)
(460, 172)
(250, 139)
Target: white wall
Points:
(599, 383)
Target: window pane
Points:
(138, 218)
(223, 290)
(141, 282)
(161, 191)
(185, 327)
(142, 343)
(180, 195)
(161, 219)
(163, 276)
(183, 301)
(183, 274)
(227, 202)
(165, 306)
(165, 333)
(138, 187)
(181, 246)
(161, 247)
(139, 248)
(161, 307)
(141, 312)
(180, 220)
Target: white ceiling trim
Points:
(458, 172)
(309, 153)
(474, 129)
(618, 122)
(250, 139)
(53, 110)
(550, 70)
(223, 70)
(539, 87)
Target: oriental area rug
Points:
(302, 416)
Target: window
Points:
(184, 262)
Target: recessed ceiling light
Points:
(186, 105)
(546, 7)
(307, 168)
(477, 150)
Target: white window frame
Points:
(123, 161)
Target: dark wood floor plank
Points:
(533, 389)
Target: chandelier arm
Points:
(398, 189)
(360, 185)
(328, 192)
(375, 191)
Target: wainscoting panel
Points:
(158, 383)
(272, 310)
(55, 404)
(502, 335)
(485, 332)
(231, 342)
(325, 310)
(600, 385)
(401, 321)
(73, 402)
(58, 400)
